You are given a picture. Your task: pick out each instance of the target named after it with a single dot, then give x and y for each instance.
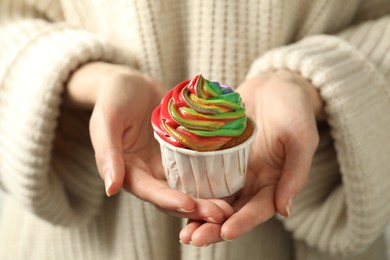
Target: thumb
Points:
(294, 177)
(106, 140)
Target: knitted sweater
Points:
(55, 204)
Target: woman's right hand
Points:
(127, 155)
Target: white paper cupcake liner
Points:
(214, 174)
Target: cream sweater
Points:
(56, 207)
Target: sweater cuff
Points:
(60, 185)
(348, 217)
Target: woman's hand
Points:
(284, 107)
(127, 155)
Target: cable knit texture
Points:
(55, 205)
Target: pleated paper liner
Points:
(212, 174)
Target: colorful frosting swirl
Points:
(200, 115)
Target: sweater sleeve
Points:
(45, 165)
(345, 206)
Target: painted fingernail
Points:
(185, 211)
(288, 206)
(108, 182)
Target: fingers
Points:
(257, 210)
(294, 175)
(200, 234)
(213, 211)
(139, 181)
(106, 141)
(186, 233)
(112, 170)
(226, 208)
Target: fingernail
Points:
(288, 206)
(225, 238)
(108, 182)
(198, 246)
(210, 219)
(185, 211)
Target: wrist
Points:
(312, 91)
(86, 82)
(318, 103)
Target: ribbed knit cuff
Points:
(30, 98)
(357, 99)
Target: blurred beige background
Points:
(387, 230)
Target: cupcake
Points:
(204, 136)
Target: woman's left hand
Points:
(284, 107)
